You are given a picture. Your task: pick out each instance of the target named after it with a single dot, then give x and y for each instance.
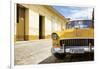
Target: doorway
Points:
(20, 30)
(41, 27)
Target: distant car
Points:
(78, 38)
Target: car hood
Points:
(76, 33)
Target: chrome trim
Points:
(67, 50)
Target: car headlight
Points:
(54, 36)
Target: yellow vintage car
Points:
(78, 38)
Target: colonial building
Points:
(37, 22)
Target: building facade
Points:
(37, 22)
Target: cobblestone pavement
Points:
(31, 52)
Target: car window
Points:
(79, 24)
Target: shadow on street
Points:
(72, 58)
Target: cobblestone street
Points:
(32, 52)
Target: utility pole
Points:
(93, 18)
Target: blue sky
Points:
(75, 12)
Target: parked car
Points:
(78, 38)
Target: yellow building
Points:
(37, 22)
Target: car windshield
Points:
(79, 24)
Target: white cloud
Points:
(82, 14)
